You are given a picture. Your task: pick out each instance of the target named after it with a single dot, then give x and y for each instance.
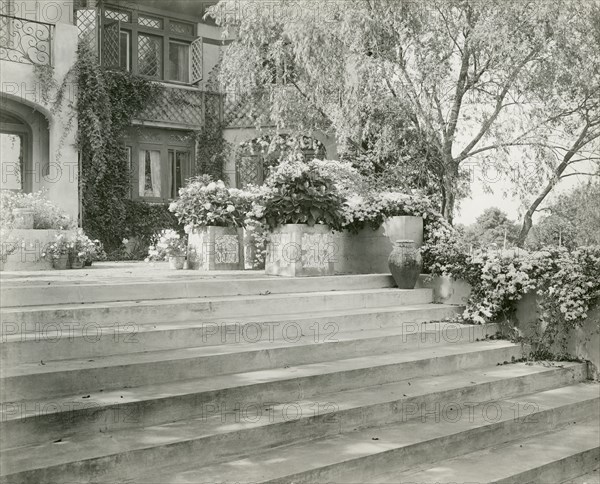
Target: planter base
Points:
(215, 249)
(299, 250)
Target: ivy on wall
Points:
(213, 150)
(107, 102)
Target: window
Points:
(125, 50)
(11, 156)
(179, 170)
(149, 55)
(149, 174)
(179, 62)
(156, 47)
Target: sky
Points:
(471, 208)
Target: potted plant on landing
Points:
(300, 210)
(59, 251)
(169, 246)
(213, 216)
(84, 249)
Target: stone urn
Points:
(23, 218)
(405, 264)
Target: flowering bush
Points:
(168, 243)
(203, 202)
(566, 283)
(46, 215)
(84, 248)
(62, 246)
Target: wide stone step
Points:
(63, 377)
(53, 341)
(359, 455)
(17, 294)
(222, 432)
(550, 457)
(169, 402)
(190, 309)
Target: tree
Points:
(492, 227)
(573, 220)
(430, 87)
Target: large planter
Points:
(405, 264)
(23, 218)
(77, 264)
(404, 227)
(215, 249)
(299, 250)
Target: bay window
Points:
(158, 48)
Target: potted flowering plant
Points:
(59, 251)
(213, 216)
(169, 245)
(84, 249)
(300, 210)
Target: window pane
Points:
(124, 45)
(149, 173)
(11, 154)
(181, 28)
(149, 55)
(117, 15)
(178, 160)
(179, 62)
(152, 22)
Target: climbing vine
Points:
(213, 150)
(107, 102)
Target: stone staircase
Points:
(255, 379)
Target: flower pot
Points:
(77, 264)
(23, 218)
(61, 262)
(88, 263)
(213, 248)
(404, 227)
(299, 250)
(176, 262)
(405, 264)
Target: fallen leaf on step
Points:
(86, 397)
(57, 441)
(42, 362)
(374, 438)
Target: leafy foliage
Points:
(492, 228)
(46, 215)
(416, 91)
(106, 104)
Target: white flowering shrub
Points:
(567, 283)
(167, 243)
(46, 215)
(203, 202)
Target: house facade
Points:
(168, 42)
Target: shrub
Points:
(46, 215)
(203, 202)
(167, 243)
(300, 193)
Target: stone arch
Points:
(29, 123)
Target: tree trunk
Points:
(449, 185)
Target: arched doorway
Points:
(15, 137)
(24, 147)
(258, 156)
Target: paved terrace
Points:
(119, 272)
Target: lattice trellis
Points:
(87, 26)
(242, 112)
(180, 106)
(249, 171)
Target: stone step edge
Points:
(460, 334)
(21, 295)
(251, 379)
(204, 300)
(329, 397)
(531, 464)
(384, 450)
(28, 333)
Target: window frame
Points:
(166, 35)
